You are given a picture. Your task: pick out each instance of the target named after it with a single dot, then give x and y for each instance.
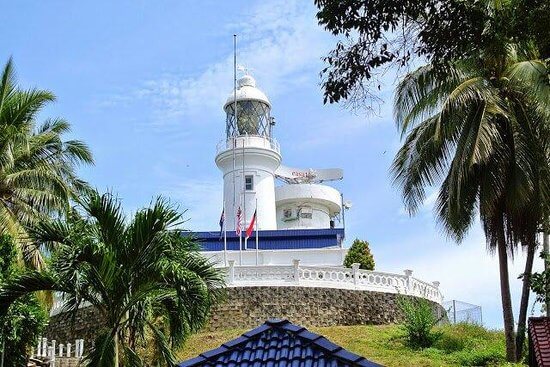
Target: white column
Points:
(231, 271)
(44, 347)
(408, 274)
(81, 349)
(355, 272)
(296, 264)
(39, 347)
(51, 354)
(69, 345)
(60, 350)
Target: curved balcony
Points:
(248, 141)
(297, 275)
(331, 277)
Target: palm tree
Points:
(144, 276)
(478, 127)
(37, 168)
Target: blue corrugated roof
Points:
(274, 240)
(279, 343)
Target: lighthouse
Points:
(249, 156)
(299, 217)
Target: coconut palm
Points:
(479, 128)
(143, 275)
(37, 167)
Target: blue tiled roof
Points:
(274, 240)
(279, 343)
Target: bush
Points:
(419, 322)
(359, 252)
(483, 355)
(463, 335)
(25, 319)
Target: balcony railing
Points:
(318, 276)
(248, 141)
(331, 277)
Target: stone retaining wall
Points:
(85, 325)
(248, 307)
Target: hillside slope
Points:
(459, 345)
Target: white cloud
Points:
(279, 41)
(202, 198)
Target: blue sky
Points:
(143, 83)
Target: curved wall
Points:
(248, 307)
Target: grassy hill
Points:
(458, 345)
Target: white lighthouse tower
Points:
(249, 157)
(296, 212)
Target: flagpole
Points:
(256, 224)
(240, 240)
(224, 237)
(235, 134)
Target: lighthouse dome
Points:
(247, 91)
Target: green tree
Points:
(377, 35)
(25, 319)
(482, 131)
(144, 275)
(359, 252)
(37, 167)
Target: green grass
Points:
(459, 345)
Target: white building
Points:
(296, 212)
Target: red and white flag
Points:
(251, 225)
(239, 222)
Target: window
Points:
(249, 182)
(287, 213)
(306, 212)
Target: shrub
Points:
(359, 252)
(484, 355)
(419, 322)
(26, 318)
(462, 335)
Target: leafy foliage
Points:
(144, 275)
(379, 34)
(481, 131)
(359, 252)
(539, 284)
(37, 167)
(419, 322)
(25, 319)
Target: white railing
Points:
(318, 276)
(247, 141)
(51, 350)
(331, 277)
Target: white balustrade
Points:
(327, 277)
(54, 350)
(44, 347)
(331, 277)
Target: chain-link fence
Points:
(458, 311)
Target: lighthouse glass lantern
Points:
(253, 111)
